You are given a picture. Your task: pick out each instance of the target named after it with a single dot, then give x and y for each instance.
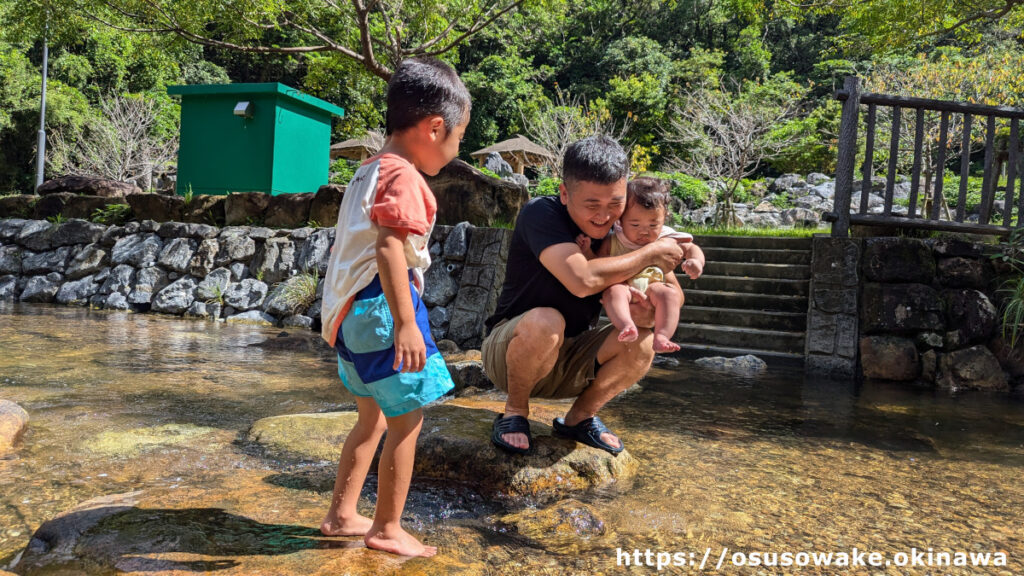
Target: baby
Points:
(643, 222)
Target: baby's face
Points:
(642, 225)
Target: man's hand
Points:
(693, 268)
(666, 253)
(410, 350)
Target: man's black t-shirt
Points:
(542, 222)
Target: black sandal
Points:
(510, 425)
(588, 432)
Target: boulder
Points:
(148, 281)
(77, 292)
(202, 261)
(85, 206)
(495, 163)
(786, 183)
(960, 272)
(974, 368)
(41, 288)
(37, 235)
(116, 301)
(17, 205)
(565, 527)
(50, 206)
(273, 260)
(745, 364)
(45, 262)
(120, 280)
(197, 310)
(245, 295)
(466, 194)
(440, 288)
(187, 230)
(889, 358)
(901, 308)
(288, 210)
(156, 207)
(214, 285)
(113, 234)
(801, 217)
(316, 252)
(816, 178)
(456, 243)
(468, 374)
(76, 231)
(89, 260)
(13, 423)
(204, 210)
(256, 317)
(10, 229)
(957, 247)
(244, 208)
(8, 288)
(88, 186)
(297, 321)
(176, 297)
(234, 247)
(898, 260)
(10, 260)
(971, 313)
(177, 254)
(325, 205)
(1011, 358)
(139, 250)
(458, 449)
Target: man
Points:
(542, 340)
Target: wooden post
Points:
(965, 168)
(987, 186)
(847, 156)
(894, 152)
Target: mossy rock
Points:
(139, 440)
(566, 527)
(304, 437)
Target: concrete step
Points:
(771, 357)
(762, 319)
(770, 286)
(756, 242)
(716, 255)
(744, 301)
(760, 270)
(741, 338)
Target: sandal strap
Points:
(512, 424)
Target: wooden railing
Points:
(930, 215)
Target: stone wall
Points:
(918, 311)
(247, 274)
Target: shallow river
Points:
(777, 463)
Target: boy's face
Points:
(594, 207)
(642, 225)
(443, 144)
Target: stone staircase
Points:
(752, 299)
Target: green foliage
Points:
(489, 172)
(112, 214)
(188, 196)
(693, 191)
(58, 219)
(299, 291)
(342, 170)
(795, 232)
(546, 187)
(781, 201)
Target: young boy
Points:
(372, 312)
(643, 222)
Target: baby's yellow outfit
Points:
(621, 245)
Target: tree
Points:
(728, 133)
(378, 34)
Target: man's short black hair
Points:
(597, 159)
(423, 87)
(648, 193)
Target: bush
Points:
(546, 187)
(693, 191)
(342, 170)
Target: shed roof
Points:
(256, 88)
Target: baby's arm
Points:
(583, 241)
(693, 265)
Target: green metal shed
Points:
(252, 138)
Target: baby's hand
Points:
(583, 241)
(693, 268)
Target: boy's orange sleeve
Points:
(403, 200)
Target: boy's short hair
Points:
(648, 193)
(423, 87)
(597, 159)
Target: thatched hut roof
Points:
(519, 152)
(358, 148)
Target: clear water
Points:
(772, 463)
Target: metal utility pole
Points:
(41, 160)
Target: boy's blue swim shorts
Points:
(366, 354)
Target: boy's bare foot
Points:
(398, 541)
(662, 344)
(357, 526)
(630, 334)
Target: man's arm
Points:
(410, 349)
(585, 277)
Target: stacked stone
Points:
(237, 273)
(926, 315)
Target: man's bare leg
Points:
(342, 518)
(394, 472)
(616, 306)
(622, 364)
(667, 301)
(531, 354)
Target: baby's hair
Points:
(597, 159)
(423, 87)
(649, 193)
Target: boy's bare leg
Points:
(667, 301)
(342, 519)
(393, 476)
(622, 364)
(531, 354)
(616, 305)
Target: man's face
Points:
(594, 207)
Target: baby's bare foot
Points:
(629, 334)
(357, 526)
(662, 344)
(398, 541)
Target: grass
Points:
(299, 291)
(755, 232)
(111, 214)
(58, 219)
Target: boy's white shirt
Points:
(353, 262)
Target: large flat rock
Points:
(13, 422)
(455, 445)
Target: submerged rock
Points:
(746, 363)
(139, 440)
(454, 446)
(13, 422)
(567, 527)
